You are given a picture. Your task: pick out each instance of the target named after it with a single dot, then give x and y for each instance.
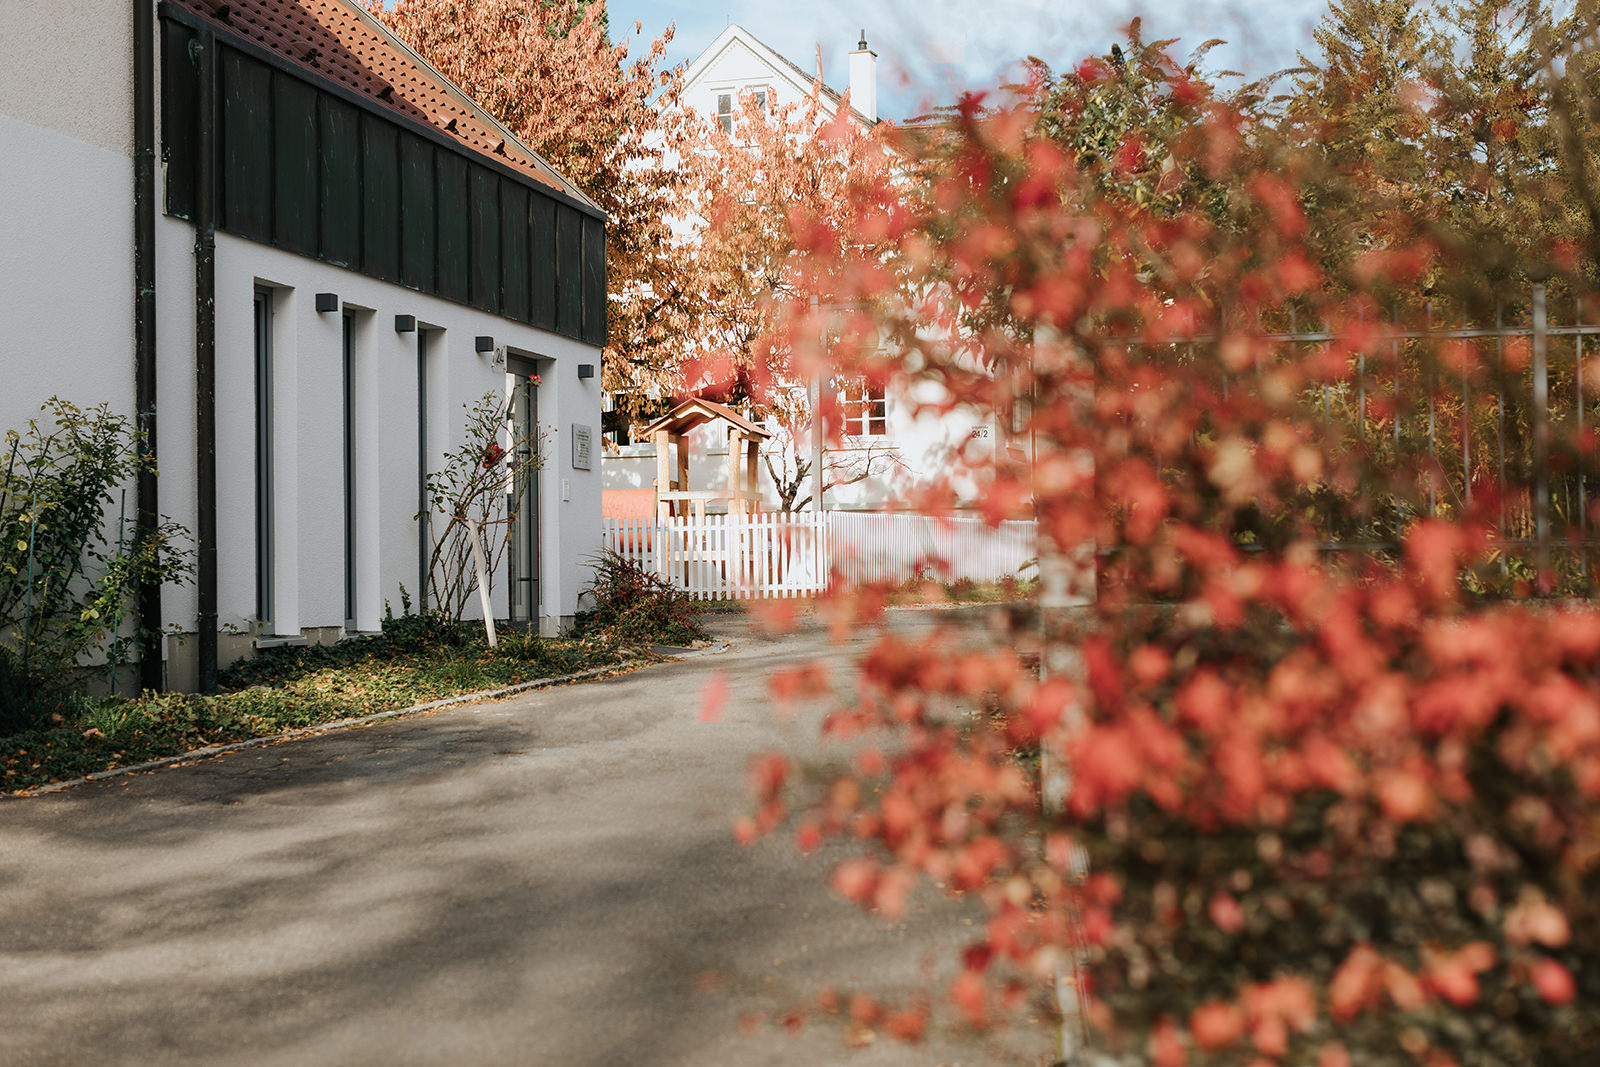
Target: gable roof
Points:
(697, 412)
(801, 81)
(338, 41)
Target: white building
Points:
(889, 450)
(384, 253)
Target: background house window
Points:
(866, 411)
(616, 422)
(725, 107)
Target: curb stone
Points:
(363, 720)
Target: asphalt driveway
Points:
(549, 879)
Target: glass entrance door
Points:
(524, 502)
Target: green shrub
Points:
(415, 631)
(66, 578)
(636, 607)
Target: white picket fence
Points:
(792, 555)
(879, 547)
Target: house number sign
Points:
(582, 447)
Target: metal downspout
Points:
(147, 505)
(205, 361)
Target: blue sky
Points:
(929, 50)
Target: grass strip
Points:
(284, 690)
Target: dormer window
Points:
(725, 103)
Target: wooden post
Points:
(663, 444)
(658, 537)
(735, 494)
(483, 581)
(752, 474)
(682, 485)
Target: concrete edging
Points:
(362, 720)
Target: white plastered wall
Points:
(66, 273)
(67, 66)
(66, 231)
(66, 305)
(308, 390)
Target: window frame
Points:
(864, 410)
(349, 405)
(728, 104)
(265, 575)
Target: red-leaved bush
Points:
(1289, 756)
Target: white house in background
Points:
(384, 253)
(898, 450)
(737, 62)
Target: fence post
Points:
(1541, 437)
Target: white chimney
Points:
(864, 80)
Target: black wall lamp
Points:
(586, 370)
(484, 344)
(327, 302)
(405, 324)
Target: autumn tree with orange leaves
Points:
(758, 203)
(701, 234)
(1331, 789)
(603, 119)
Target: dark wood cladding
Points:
(294, 165)
(419, 201)
(305, 170)
(381, 223)
(180, 116)
(542, 234)
(339, 182)
(483, 217)
(514, 251)
(569, 275)
(451, 171)
(245, 89)
(594, 280)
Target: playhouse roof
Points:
(697, 412)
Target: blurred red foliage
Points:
(1334, 799)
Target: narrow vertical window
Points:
(423, 503)
(349, 477)
(761, 100)
(524, 533)
(725, 111)
(263, 325)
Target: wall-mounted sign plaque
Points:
(582, 447)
